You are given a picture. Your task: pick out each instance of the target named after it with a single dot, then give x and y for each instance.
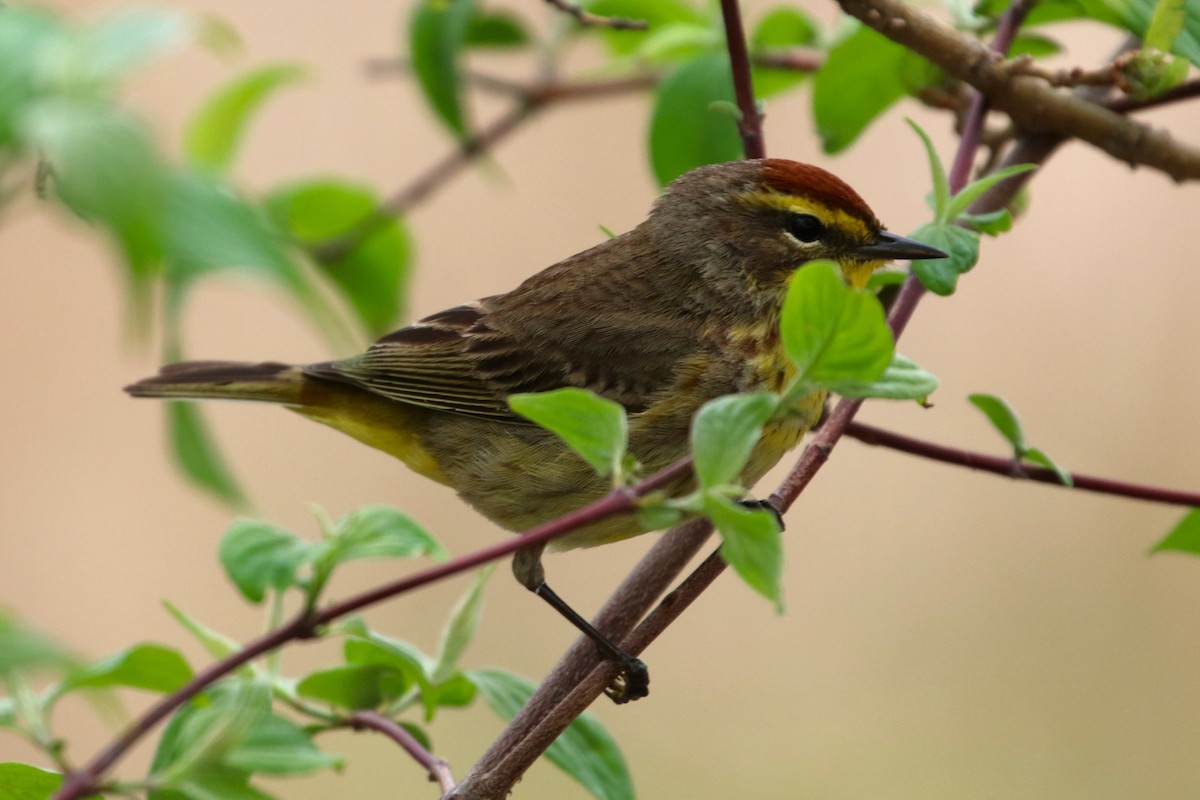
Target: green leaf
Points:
(28, 39)
(275, 746)
(212, 782)
(457, 691)
(1166, 23)
(750, 544)
(975, 189)
(592, 426)
(8, 712)
(993, 223)
(498, 29)
(940, 275)
(460, 627)
(657, 516)
(22, 648)
(1184, 537)
(374, 648)
(783, 26)
(1036, 456)
(862, 76)
(197, 455)
(108, 50)
(437, 33)
(258, 556)
(1136, 16)
(655, 13)
(677, 41)
(354, 686)
(1033, 45)
(153, 667)
(201, 733)
(902, 380)
(585, 750)
(937, 172)
(26, 782)
(218, 126)
(684, 132)
(217, 644)
(724, 432)
(105, 170)
(1003, 418)
(833, 333)
(381, 532)
(373, 274)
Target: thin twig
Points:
(584, 17)
(1184, 91)
(750, 121)
(800, 60)
(1012, 468)
(439, 768)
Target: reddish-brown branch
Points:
(750, 121)
(439, 769)
(1012, 468)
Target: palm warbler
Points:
(682, 309)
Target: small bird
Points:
(680, 310)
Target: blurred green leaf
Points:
(23, 648)
(106, 171)
(677, 41)
(750, 543)
(1166, 23)
(592, 426)
(371, 648)
(437, 34)
(218, 126)
(1003, 418)
(198, 456)
(783, 26)
(585, 750)
(940, 275)
(373, 273)
(456, 691)
(724, 432)
(655, 13)
(902, 380)
(354, 686)
(833, 333)
(258, 556)
(1036, 456)
(496, 29)
(1184, 537)
(1034, 45)
(862, 76)
(376, 531)
(275, 746)
(460, 627)
(203, 732)
(27, 35)
(27, 782)
(684, 132)
(217, 644)
(105, 51)
(1137, 17)
(976, 189)
(153, 667)
(992, 224)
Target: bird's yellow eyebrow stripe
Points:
(834, 217)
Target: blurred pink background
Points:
(947, 635)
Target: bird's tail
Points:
(268, 382)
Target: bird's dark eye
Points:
(805, 227)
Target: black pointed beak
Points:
(889, 247)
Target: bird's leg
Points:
(634, 681)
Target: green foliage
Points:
(373, 271)
(725, 431)
(953, 230)
(1184, 537)
(496, 29)
(1005, 420)
(25, 649)
(862, 76)
(259, 556)
(437, 36)
(25, 782)
(685, 130)
(592, 426)
(585, 751)
(197, 456)
(153, 667)
(218, 126)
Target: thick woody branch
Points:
(1033, 106)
